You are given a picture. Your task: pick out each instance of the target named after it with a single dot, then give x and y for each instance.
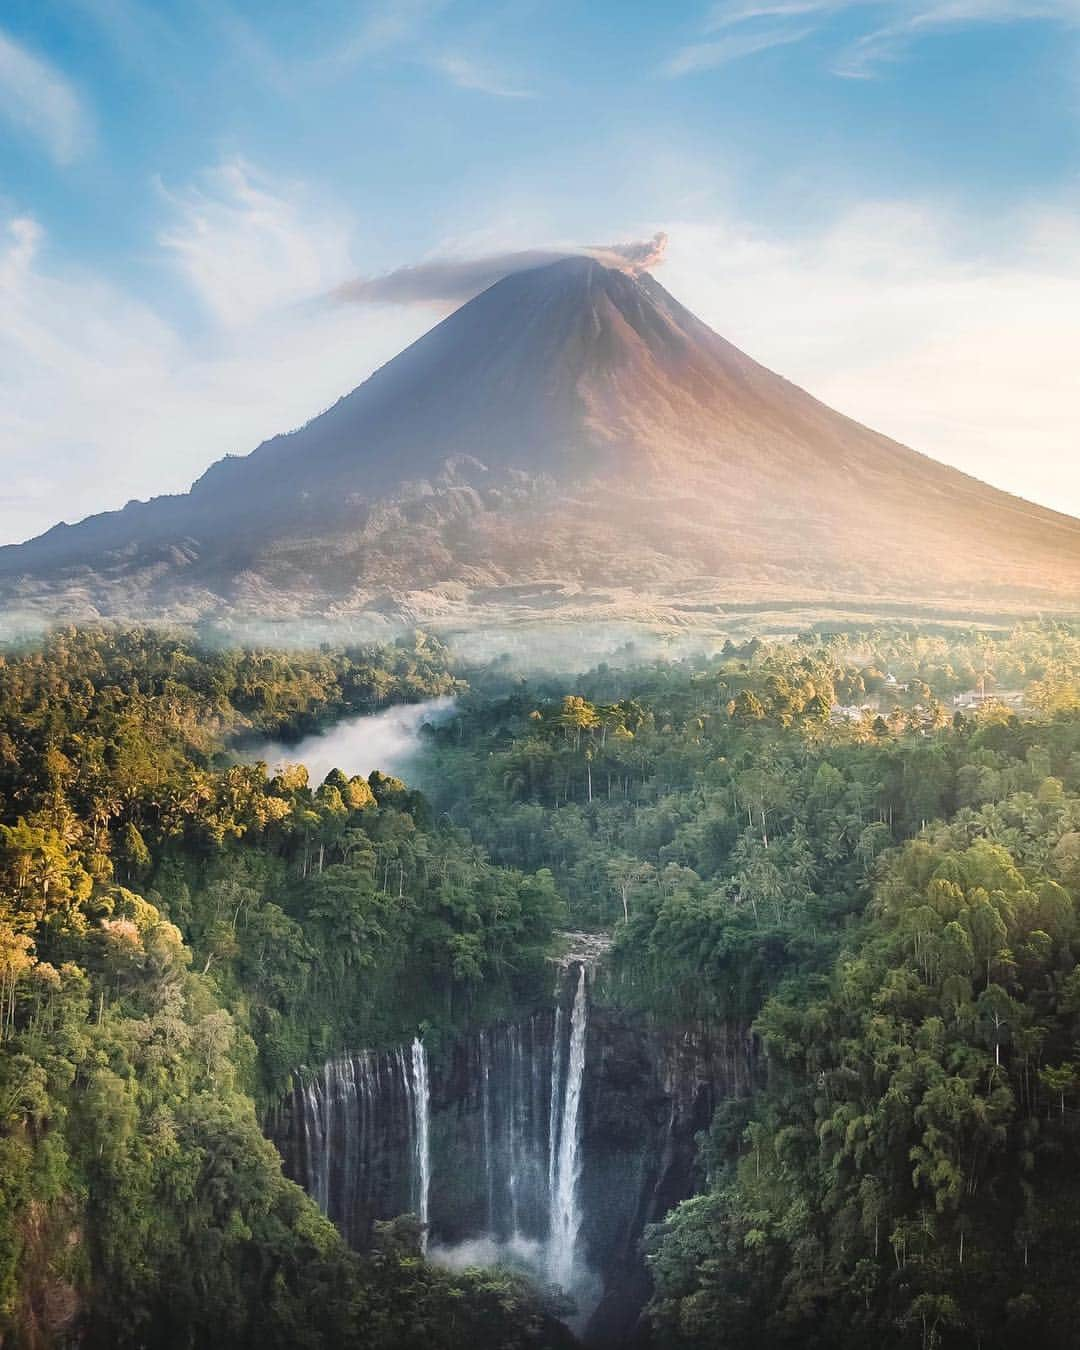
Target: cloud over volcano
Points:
(452, 281)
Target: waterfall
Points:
(565, 1219)
(409, 1081)
(501, 1144)
(514, 1131)
(421, 1096)
(313, 1140)
(555, 1102)
(537, 1054)
(354, 1118)
(508, 1161)
(485, 1108)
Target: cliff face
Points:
(543, 1149)
(650, 1090)
(51, 1298)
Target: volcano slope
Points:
(571, 442)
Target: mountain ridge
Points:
(575, 424)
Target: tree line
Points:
(179, 933)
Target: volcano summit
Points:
(572, 441)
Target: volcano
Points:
(572, 439)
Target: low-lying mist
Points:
(385, 740)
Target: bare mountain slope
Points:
(573, 432)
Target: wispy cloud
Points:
(730, 47)
(41, 102)
(383, 26)
(408, 27)
(726, 15)
(892, 28)
(469, 74)
(909, 24)
(103, 398)
(401, 30)
(247, 243)
(143, 37)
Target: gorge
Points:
(546, 1143)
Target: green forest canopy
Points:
(887, 892)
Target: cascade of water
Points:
(309, 1106)
(364, 1146)
(537, 1140)
(485, 1110)
(422, 1108)
(350, 1122)
(553, 1109)
(406, 1074)
(356, 1142)
(328, 1135)
(565, 1214)
(513, 1126)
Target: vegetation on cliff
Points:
(868, 848)
(177, 934)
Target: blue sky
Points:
(878, 199)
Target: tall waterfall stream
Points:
(359, 1110)
(421, 1095)
(564, 1216)
(546, 1144)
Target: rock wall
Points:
(531, 1158)
(650, 1090)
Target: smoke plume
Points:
(642, 255)
(452, 281)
